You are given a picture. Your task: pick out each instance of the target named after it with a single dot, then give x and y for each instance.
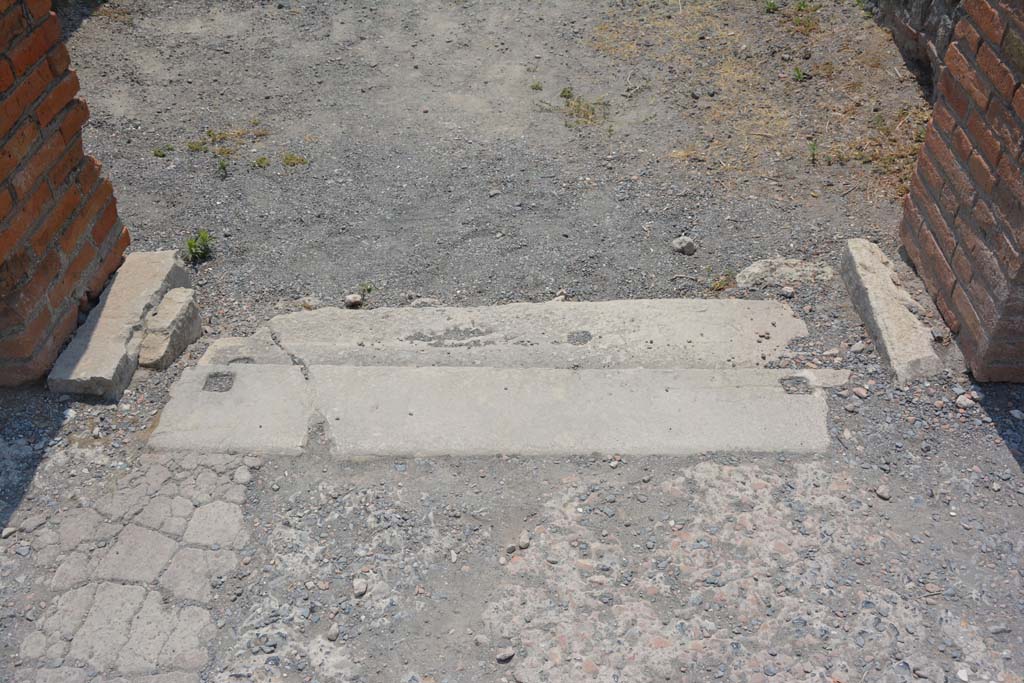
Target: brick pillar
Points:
(60, 236)
(963, 222)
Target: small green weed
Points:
(261, 162)
(726, 280)
(161, 152)
(289, 159)
(577, 110)
(199, 247)
(222, 168)
(771, 7)
(805, 17)
(196, 146)
(536, 85)
(799, 75)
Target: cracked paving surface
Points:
(584, 569)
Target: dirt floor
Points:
(435, 152)
(477, 152)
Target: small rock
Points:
(684, 245)
(493, 193)
(359, 586)
(787, 292)
(505, 655)
(964, 401)
(860, 392)
(333, 632)
(353, 300)
(1016, 414)
(242, 475)
(858, 347)
(524, 539)
(7, 532)
(883, 492)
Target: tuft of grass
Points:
(799, 75)
(161, 152)
(771, 7)
(261, 162)
(813, 150)
(197, 146)
(290, 159)
(578, 111)
(726, 280)
(805, 17)
(222, 168)
(889, 149)
(199, 247)
(536, 85)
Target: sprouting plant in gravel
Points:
(799, 75)
(199, 247)
(725, 281)
(536, 85)
(805, 17)
(771, 7)
(261, 162)
(366, 288)
(222, 168)
(161, 152)
(196, 146)
(813, 149)
(290, 159)
(577, 110)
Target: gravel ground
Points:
(436, 168)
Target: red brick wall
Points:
(963, 223)
(60, 236)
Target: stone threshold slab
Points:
(370, 411)
(648, 333)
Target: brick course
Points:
(60, 235)
(963, 222)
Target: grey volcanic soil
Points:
(414, 115)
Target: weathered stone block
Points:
(103, 355)
(904, 342)
(170, 328)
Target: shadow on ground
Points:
(73, 12)
(30, 419)
(1001, 402)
